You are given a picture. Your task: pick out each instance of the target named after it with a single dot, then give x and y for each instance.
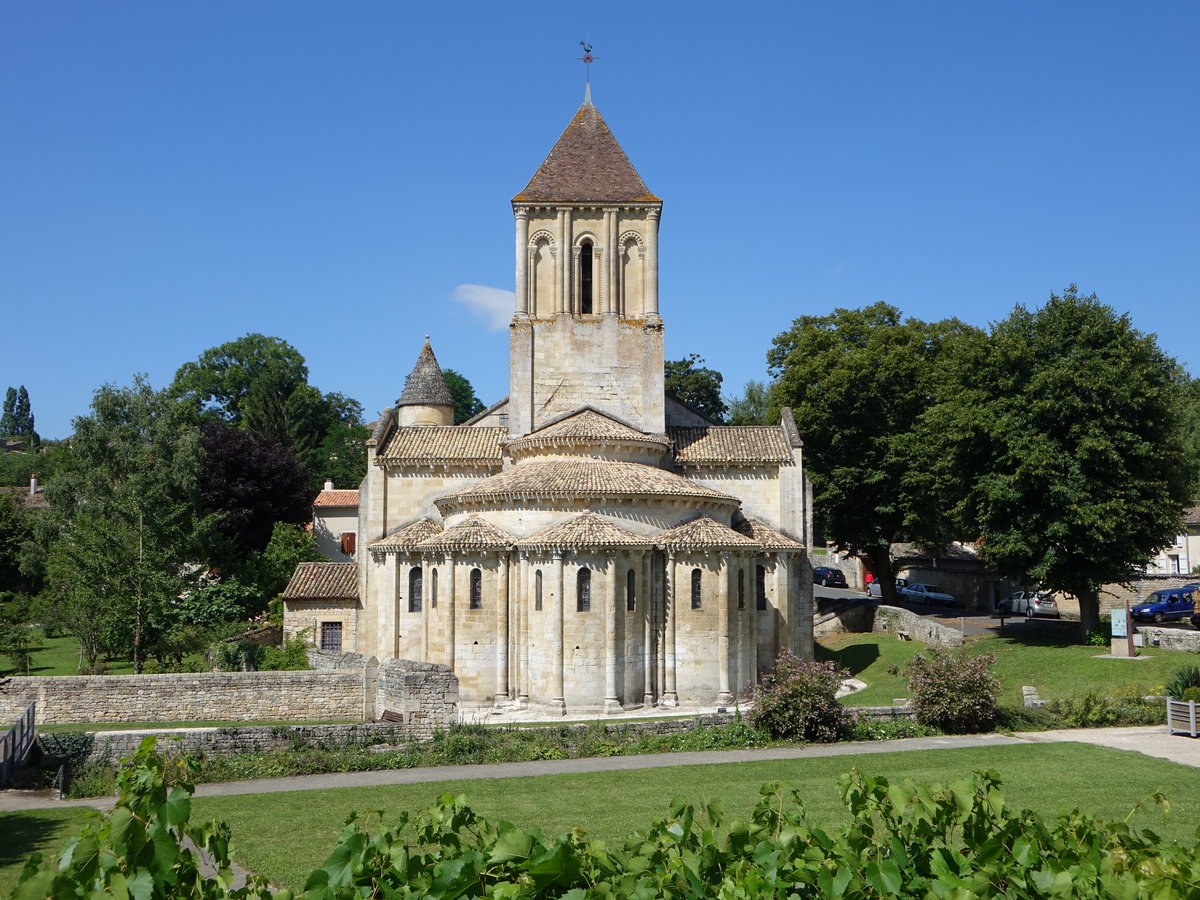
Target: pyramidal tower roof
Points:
(587, 164)
(425, 385)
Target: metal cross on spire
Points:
(587, 60)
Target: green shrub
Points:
(1098, 710)
(1024, 718)
(291, 655)
(869, 729)
(955, 692)
(1187, 677)
(1191, 693)
(798, 701)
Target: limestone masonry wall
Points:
(426, 694)
(187, 697)
(340, 686)
(235, 740)
(865, 616)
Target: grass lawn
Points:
(60, 656)
(21, 833)
(1056, 669)
(284, 836)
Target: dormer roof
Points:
(586, 165)
(425, 385)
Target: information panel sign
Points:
(1120, 624)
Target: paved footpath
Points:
(1152, 741)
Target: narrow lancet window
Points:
(585, 278)
(696, 588)
(537, 591)
(415, 589)
(476, 589)
(741, 588)
(583, 591)
(630, 598)
(760, 587)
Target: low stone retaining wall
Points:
(1169, 638)
(235, 740)
(424, 694)
(187, 697)
(864, 616)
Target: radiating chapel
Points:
(588, 543)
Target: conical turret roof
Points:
(425, 385)
(587, 164)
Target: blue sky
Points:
(176, 175)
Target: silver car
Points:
(926, 593)
(1029, 604)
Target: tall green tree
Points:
(1070, 423)
(15, 530)
(752, 407)
(17, 419)
(1191, 429)
(466, 404)
(857, 382)
(8, 420)
(125, 518)
(698, 386)
(260, 384)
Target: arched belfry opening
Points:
(587, 280)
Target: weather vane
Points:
(586, 59)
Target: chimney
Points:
(33, 485)
(329, 484)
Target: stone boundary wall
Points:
(187, 697)
(112, 746)
(358, 689)
(377, 737)
(893, 620)
(1169, 638)
(425, 694)
(864, 616)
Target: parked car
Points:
(875, 588)
(1163, 606)
(829, 577)
(1029, 603)
(926, 593)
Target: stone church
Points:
(588, 543)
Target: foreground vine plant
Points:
(905, 840)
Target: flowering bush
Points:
(953, 691)
(799, 701)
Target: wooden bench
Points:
(394, 717)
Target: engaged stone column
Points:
(651, 287)
(502, 632)
(522, 261)
(559, 700)
(648, 623)
(562, 268)
(784, 605)
(612, 703)
(451, 572)
(524, 595)
(724, 694)
(670, 692)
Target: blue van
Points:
(1162, 606)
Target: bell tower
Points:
(587, 330)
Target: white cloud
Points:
(496, 305)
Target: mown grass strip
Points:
(284, 836)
